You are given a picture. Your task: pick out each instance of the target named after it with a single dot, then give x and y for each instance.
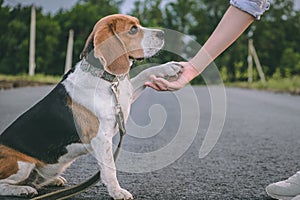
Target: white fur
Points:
(151, 44)
(51, 173)
(95, 94)
(9, 187)
(23, 173)
(15, 190)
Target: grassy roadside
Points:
(14, 81)
(38, 77)
(286, 85)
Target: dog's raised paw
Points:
(120, 194)
(169, 70)
(177, 69)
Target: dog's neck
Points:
(98, 71)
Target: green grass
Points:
(290, 85)
(42, 78)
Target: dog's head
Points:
(117, 40)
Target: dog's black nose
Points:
(160, 34)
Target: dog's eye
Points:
(133, 30)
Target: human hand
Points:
(160, 84)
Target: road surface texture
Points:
(259, 145)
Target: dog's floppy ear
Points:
(88, 53)
(110, 49)
(88, 47)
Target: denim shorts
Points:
(254, 7)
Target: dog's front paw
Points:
(170, 70)
(119, 193)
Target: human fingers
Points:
(161, 84)
(157, 83)
(152, 84)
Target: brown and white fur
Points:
(78, 116)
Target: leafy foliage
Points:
(276, 36)
(51, 35)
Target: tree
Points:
(14, 39)
(275, 36)
(277, 31)
(51, 33)
(47, 45)
(81, 19)
(149, 13)
(289, 62)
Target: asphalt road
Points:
(259, 144)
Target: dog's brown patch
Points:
(9, 161)
(87, 124)
(113, 45)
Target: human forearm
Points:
(232, 25)
(237, 18)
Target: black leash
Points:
(71, 191)
(76, 189)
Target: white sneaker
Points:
(285, 190)
(296, 198)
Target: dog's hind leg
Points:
(10, 186)
(50, 174)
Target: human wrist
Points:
(189, 72)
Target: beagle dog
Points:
(78, 116)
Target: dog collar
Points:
(98, 72)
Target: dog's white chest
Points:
(96, 94)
